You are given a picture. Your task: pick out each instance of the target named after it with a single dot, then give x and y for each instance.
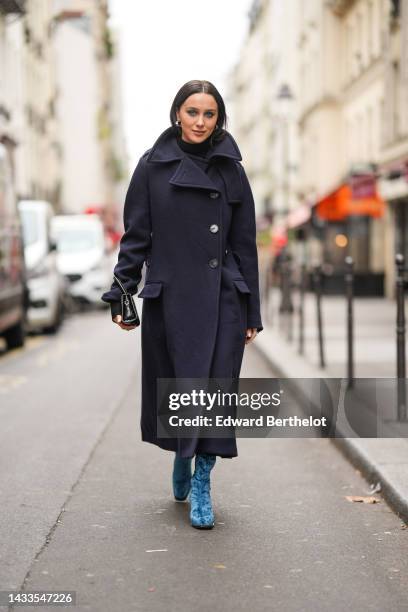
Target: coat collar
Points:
(189, 174)
(166, 149)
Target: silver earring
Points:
(178, 122)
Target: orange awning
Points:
(340, 204)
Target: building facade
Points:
(394, 146)
(83, 52)
(336, 167)
(31, 39)
(340, 125)
(264, 120)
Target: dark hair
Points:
(192, 87)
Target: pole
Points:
(400, 328)
(318, 290)
(290, 310)
(302, 308)
(286, 304)
(349, 281)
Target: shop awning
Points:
(343, 203)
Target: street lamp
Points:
(285, 97)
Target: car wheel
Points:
(15, 336)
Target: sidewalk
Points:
(381, 460)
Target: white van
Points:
(45, 284)
(83, 256)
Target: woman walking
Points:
(189, 216)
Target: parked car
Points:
(13, 285)
(83, 256)
(46, 286)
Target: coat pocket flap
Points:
(150, 290)
(241, 286)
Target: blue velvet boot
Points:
(181, 477)
(201, 512)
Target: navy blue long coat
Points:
(195, 231)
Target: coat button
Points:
(213, 263)
(214, 194)
(214, 228)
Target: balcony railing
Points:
(12, 6)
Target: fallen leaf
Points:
(151, 589)
(366, 499)
(219, 566)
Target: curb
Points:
(372, 471)
(374, 474)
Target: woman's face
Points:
(198, 115)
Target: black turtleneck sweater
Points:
(197, 152)
(196, 148)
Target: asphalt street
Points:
(86, 506)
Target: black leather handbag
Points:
(129, 312)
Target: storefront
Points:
(394, 189)
(348, 221)
(352, 217)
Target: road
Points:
(87, 506)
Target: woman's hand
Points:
(251, 332)
(118, 321)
